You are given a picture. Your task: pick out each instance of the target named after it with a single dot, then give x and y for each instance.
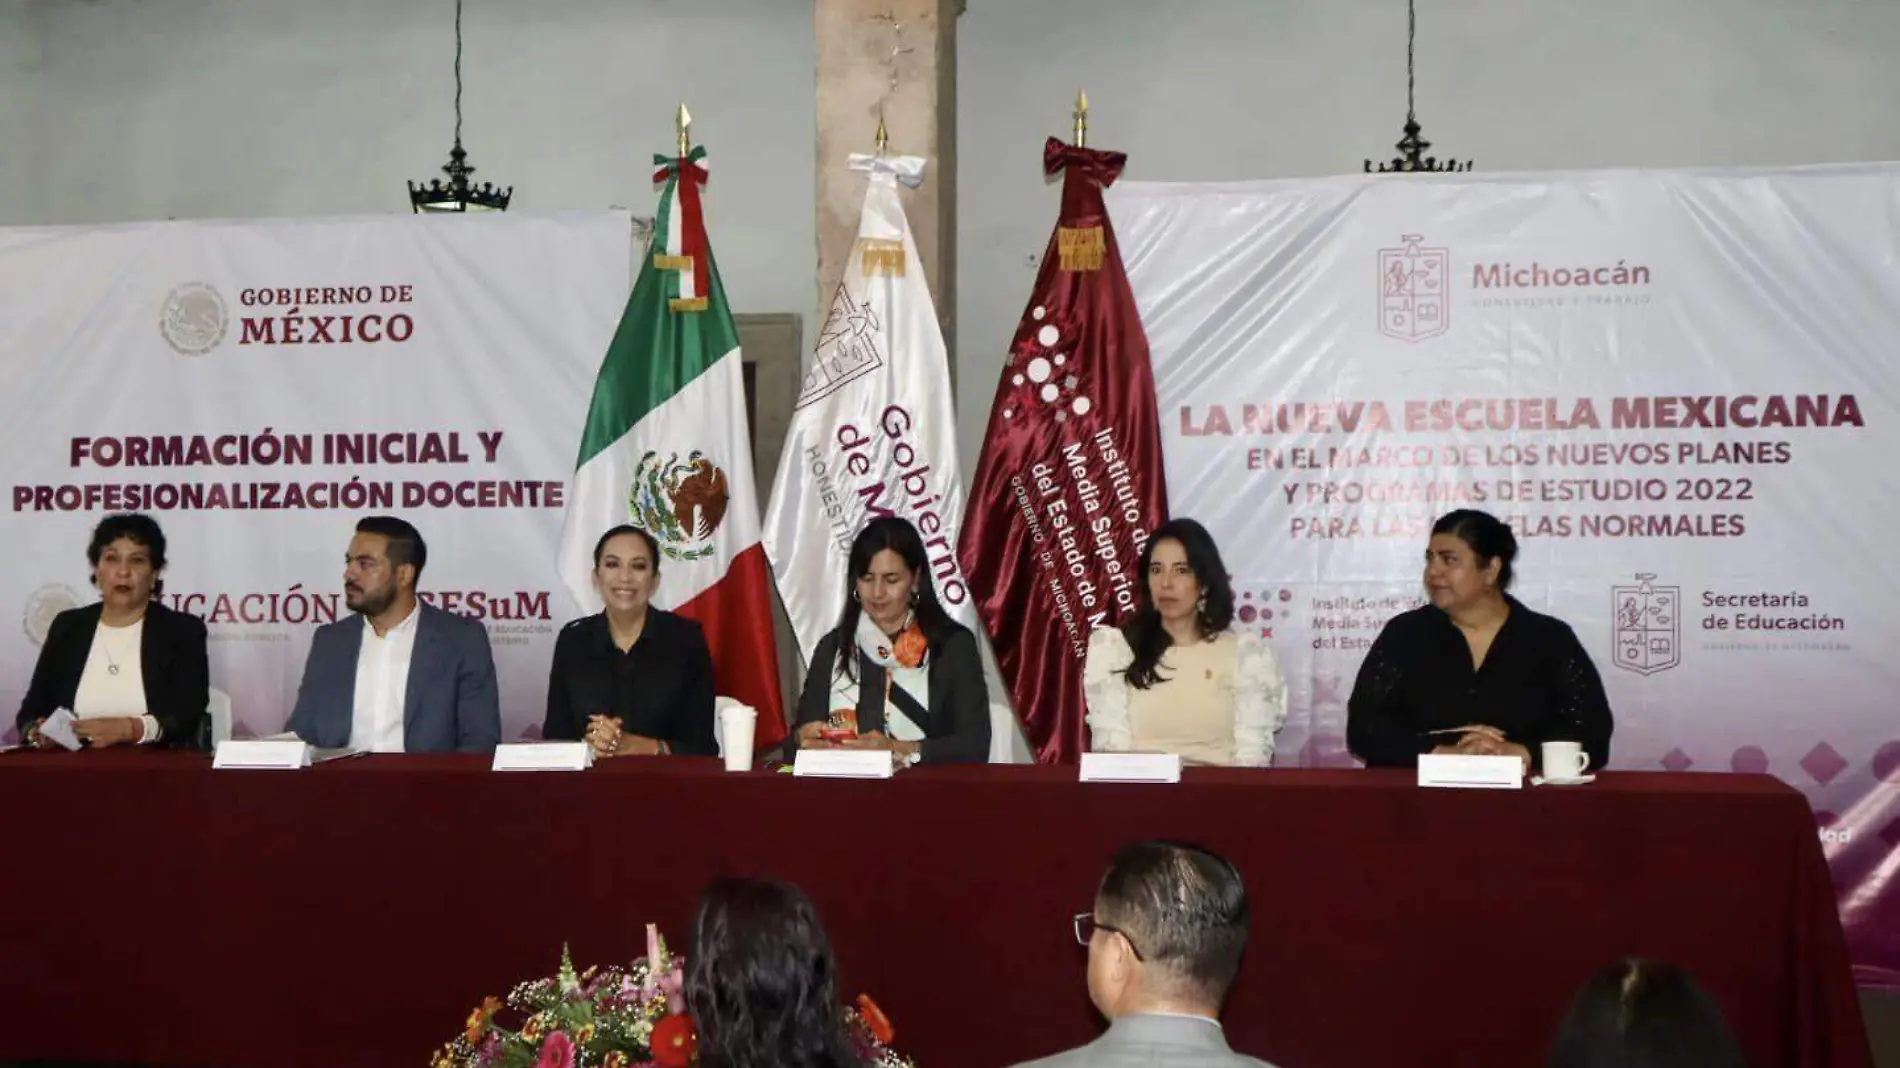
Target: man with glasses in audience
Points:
(1165, 940)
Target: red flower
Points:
(875, 1019)
(557, 1052)
(674, 1042)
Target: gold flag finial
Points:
(684, 120)
(883, 135)
(1081, 119)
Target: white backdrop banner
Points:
(1680, 389)
(259, 386)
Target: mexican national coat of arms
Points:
(679, 502)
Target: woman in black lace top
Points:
(1475, 671)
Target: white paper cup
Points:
(737, 724)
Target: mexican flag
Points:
(666, 448)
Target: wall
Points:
(220, 108)
(126, 109)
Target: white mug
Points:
(1564, 761)
(737, 724)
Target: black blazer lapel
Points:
(75, 647)
(155, 655)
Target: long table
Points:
(160, 912)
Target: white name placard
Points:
(1471, 772)
(843, 763)
(1131, 767)
(261, 754)
(544, 756)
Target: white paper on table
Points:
(59, 727)
(1461, 771)
(1131, 767)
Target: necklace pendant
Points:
(112, 669)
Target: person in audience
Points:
(1643, 1014)
(632, 679)
(761, 984)
(1165, 940)
(1475, 671)
(1176, 677)
(406, 677)
(132, 671)
(897, 673)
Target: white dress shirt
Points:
(105, 693)
(382, 686)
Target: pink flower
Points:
(557, 1052)
(671, 986)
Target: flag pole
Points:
(684, 121)
(883, 136)
(1081, 119)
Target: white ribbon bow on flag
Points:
(906, 169)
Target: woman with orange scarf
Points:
(909, 681)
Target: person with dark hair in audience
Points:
(130, 670)
(407, 677)
(1176, 677)
(1643, 1014)
(631, 679)
(897, 673)
(1165, 940)
(1475, 671)
(761, 984)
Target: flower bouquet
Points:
(632, 1017)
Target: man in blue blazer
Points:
(405, 677)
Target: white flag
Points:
(873, 432)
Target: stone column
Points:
(855, 64)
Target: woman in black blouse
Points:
(633, 680)
(1475, 671)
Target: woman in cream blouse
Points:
(1175, 678)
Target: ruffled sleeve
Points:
(1259, 700)
(1105, 688)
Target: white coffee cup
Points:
(1565, 761)
(737, 724)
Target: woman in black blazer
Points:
(910, 681)
(632, 680)
(133, 671)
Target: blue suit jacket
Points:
(451, 704)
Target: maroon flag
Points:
(1070, 480)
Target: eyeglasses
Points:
(1086, 925)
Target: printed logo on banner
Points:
(1646, 628)
(680, 503)
(1413, 282)
(42, 605)
(1046, 376)
(194, 319)
(847, 349)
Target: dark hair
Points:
(897, 535)
(142, 530)
(1644, 1014)
(1184, 907)
(761, 982)
(405, 542)
(1487, 535)
(1146, 636)
(653, 544)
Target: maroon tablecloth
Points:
(161, 912)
